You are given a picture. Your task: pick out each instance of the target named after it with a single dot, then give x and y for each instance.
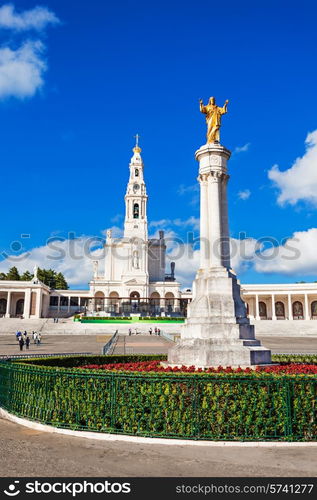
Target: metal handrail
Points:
(109, 347)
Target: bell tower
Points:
(135, 224)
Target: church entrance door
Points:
(135, 302)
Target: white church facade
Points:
(132, 278)
(132, 275)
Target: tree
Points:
(61, 283)
(48, 276)
(26, 276)
(13, 274)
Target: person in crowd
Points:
(17, 335)
(35, 337)
(21, 343)
(39, 338)
(150, 331)
(130, 332)
(155, 330)
(158, 332)
(27, 342)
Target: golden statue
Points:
(213, 118)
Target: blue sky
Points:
(78, 81)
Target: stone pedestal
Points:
(217, 330)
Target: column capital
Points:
(202, 178)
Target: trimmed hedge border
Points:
(172, 405)
(129, 319)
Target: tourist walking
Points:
(21, 343)
(130, 332)
(35, 337)
(27, 342)
(158, 332)
(39, 337)
(150, 331)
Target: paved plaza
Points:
(43, 454)
(146, 344)
(38, 454)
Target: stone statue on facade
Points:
(213, 118)
(135, 260)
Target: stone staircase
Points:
(69, 327)
(66, 326)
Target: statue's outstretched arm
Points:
(201, 106)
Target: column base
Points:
(217, 331)
(207, 353)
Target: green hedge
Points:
(105, 318)
(191, 406)
(295, 358)
(76, 361)
(85, 319)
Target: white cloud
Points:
(117, 232)
(33, 19)
(244, 195)
(22, 70)
(296, 256)
(300, 181)
(242, 149)
(193, 188)
(187, 259)
(192, 222)
(72, 257)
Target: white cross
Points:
(137, 137)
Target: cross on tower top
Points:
(136, 148)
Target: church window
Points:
(136, 211)
(136, 172)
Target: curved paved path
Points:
(31, 453)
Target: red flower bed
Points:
(155, 366)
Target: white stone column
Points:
(58, 303)
(290, 309)
(273, 307)
(225, 223)
(307, 315)
(27, 304)
(68, 304)
(214, 219)
(204, 223)
(38, 308)
(257, 310)
(8, 310)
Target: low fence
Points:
(26, 356)
(187, 406)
